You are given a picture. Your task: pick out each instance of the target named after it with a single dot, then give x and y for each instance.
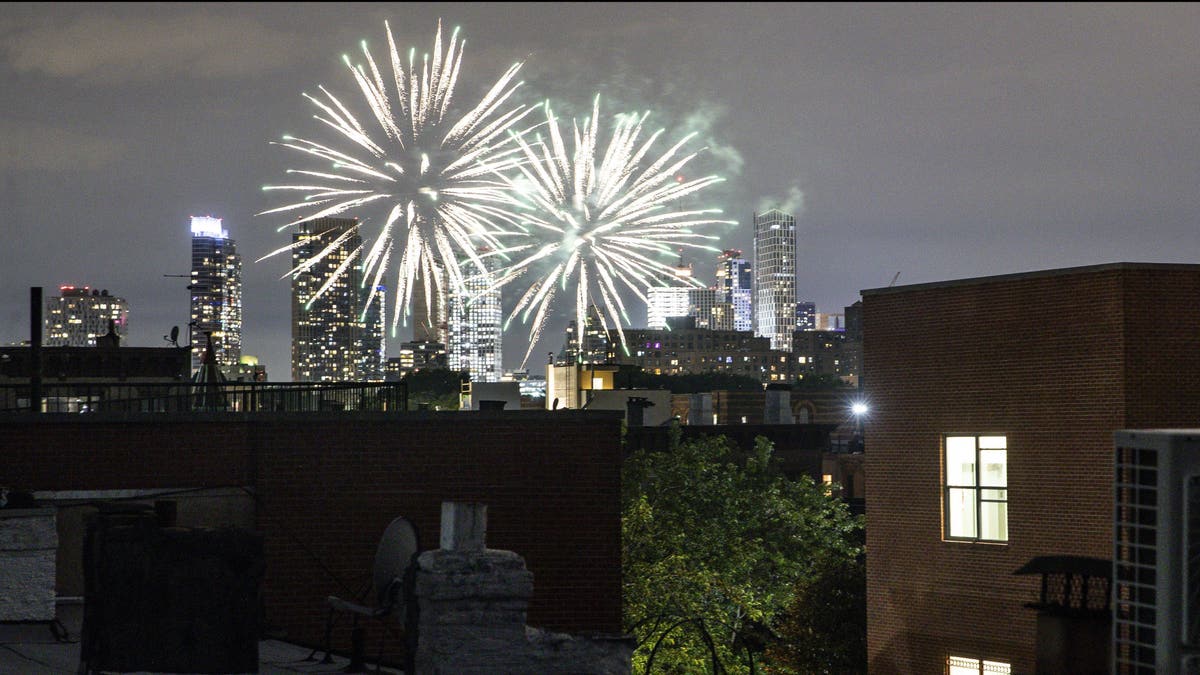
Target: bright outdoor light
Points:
(859, 408)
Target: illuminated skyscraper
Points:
(665, 302)
(333, 340)
(775, 278)
(430, 320)
(372, 363)
(80, 315)
(593, 347)
(734, 284)
(806, 315)
(216, 286)
(476, 330)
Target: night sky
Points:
(937, 141)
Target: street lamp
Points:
(859, 409)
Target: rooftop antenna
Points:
(683, 271)
(894, 280)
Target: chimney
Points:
(35, 348)
(700, 410)
(635, 410)
(778, 405)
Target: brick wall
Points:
(1055, 361)
(328, 484)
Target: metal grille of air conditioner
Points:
(1135, 585)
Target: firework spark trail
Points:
(609, 226)
(438, 174)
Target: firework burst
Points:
(611, 218)
(434, 174)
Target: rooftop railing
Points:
(233, 397)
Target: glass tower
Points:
(775, 278)
(336, 337)
(216, 287)
(734, 284)
(475, 325)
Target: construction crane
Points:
(894, 280)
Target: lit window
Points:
(962, 665)
(976, 488)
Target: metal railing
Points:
(237, 397)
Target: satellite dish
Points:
(173, 338)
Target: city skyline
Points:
(934, 141)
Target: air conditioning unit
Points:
(1156, 552)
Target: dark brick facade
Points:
(327, 485)
(1054, 360)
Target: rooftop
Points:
(1062, 271)
(32, 649)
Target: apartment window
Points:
(963, 665)
(976, 487)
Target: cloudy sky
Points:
(937, 141)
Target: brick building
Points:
(321, 487)
(993, 406)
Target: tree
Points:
(824, 627)
(715, 542)
(686, 383)
(438, 387)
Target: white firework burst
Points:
(434, 176)
(611, 217)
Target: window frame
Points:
(978, 489)
(982, 664)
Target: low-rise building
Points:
(990, 439)
(685, 349)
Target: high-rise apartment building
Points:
(476, 322)
(663, 302)
(216, 287)
(806, 315)
(703, 304)
(592, 346)
(372, 360)
(80, 315)
(430, 318)
(775, 277)
(734, 284)
(414, 357)
(334, 336)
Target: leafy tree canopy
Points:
(438, 387)
(716, 545)
(693, 383)
(819, 382)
